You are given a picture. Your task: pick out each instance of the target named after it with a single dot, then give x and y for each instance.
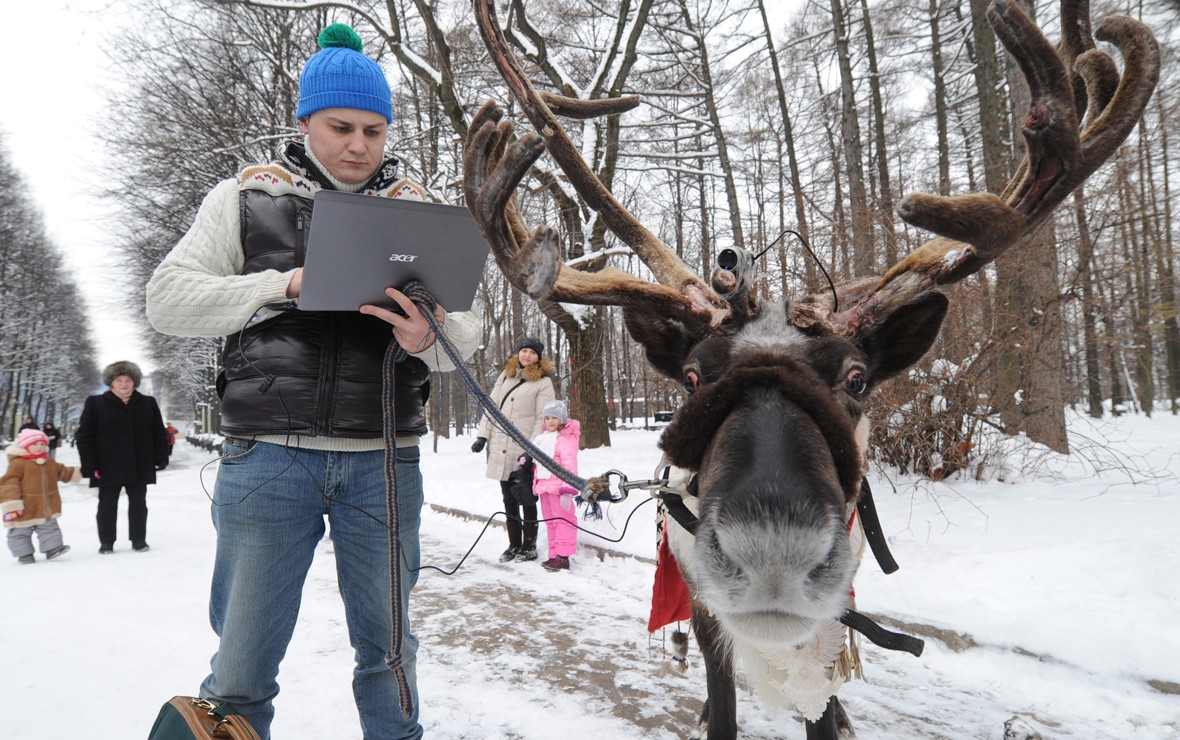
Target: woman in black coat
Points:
(122, 443)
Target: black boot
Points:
(528, 550)
(514, 540)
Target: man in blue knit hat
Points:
(301, 404)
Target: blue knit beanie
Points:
(340, 76)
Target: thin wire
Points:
(490, 519)
(472, 389)
(820, 265)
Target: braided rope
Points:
(417, 292)
(393, 353)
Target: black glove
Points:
(161, 466)
(478, 444)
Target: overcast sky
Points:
(53, 72)
(50, 106)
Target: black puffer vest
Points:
(308, 373)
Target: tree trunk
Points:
(587, 388)
(1144, 366)
(853, 148)
(1089, 313)
(1163, 297)
(811, 278)
(1132, 284)
(885, 210)
(731, 197)
(940, 107)
(1028, 326)
(1167, 269)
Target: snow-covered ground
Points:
(1049, 599)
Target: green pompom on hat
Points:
(339, 75)
(340, 35)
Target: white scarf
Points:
(546, 442)
(339, 185)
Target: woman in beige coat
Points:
(521, 392)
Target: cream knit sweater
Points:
(197, 290)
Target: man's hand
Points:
(296, 283)
(411, 331)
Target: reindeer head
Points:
(774, 422)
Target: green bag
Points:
(190, 718)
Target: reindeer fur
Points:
(777, 436)
(776, 430)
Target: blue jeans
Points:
(268, 507)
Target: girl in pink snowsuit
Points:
(559, 440)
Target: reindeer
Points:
(774, 426)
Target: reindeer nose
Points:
(788, 554)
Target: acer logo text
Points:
(402, 257)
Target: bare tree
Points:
(47, 359)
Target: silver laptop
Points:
(359, 245)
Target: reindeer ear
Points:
(904, 336)
(666, 342)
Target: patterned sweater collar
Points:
(294, 172)
(294, 156)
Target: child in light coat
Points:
(559, 440)
(29, 501)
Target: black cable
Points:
(820, 265)
(490, 519)
(425, 303)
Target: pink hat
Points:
(30, 437)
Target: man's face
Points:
(349, 142)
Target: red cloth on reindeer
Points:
(669, 595)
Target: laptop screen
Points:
(359, 245)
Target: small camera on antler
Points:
(734, 273)
(735, 259)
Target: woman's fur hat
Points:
(532, 343)
(122, 367)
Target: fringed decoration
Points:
(593, 512)
(680, 649)
(808, 675)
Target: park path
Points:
(581, 633)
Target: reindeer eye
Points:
(691, 381)
(856, 382)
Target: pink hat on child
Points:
(30, 437)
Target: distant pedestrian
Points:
(560, 441)
(172, 431)
(29, 500)
(54, 435)
(122, 443)
(29, 423)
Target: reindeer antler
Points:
(975, 229)
(494, 164)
